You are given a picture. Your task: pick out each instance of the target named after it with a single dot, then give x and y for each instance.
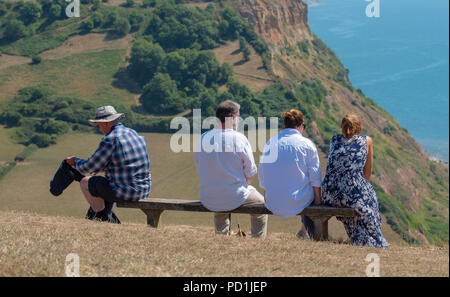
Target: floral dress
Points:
(345, 186)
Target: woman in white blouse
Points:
(293, 180)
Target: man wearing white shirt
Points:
(294, 180)
(225, 163)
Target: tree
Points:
(175, 66)
(54, 11)
(97, 18)
(129, 3)
(42, 140)
(136, 17)
(206, 68)
(226, 72)
(112, 18)
(95, 5)
(161, 96)
(121, 26)
(146, 58)
(243, 45)
(87, 25)
(14, 30)
(30, 12)
(246, 53)
(3, 9)
(208, 103)
(11, 118)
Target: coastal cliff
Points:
(412, 189)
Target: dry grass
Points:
(8, 149)
(37, 245)
(8, 60)
(251, 72)
(93, 42)
(201, 5)
(174, 175)
(119, 2)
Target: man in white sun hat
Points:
(122, 155)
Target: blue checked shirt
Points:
(122, 154)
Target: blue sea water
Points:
(401, 60)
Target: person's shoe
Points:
(113, 219)
(102, 216)
(302, 235)
(90, 214)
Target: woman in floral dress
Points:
(346, 183)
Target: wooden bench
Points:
(154, 207)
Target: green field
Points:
(87, 75)
(8, 149)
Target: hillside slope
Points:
(85, 65)
(37, 245)
(412, 189)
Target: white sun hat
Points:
(105, 114)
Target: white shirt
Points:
(224, 164)
(289, 180)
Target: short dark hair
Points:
(226, 109)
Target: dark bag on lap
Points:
(64, 176)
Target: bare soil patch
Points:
(119, 2)
(93, 42)
(8, 60)
(251, 72)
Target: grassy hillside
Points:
(37, 245)
(173, 176)
(195, 62)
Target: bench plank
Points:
(319, 214)
(191, 205)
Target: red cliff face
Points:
(281, 22)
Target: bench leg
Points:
(320, 228)
(153, 216)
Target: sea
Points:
(397, 52)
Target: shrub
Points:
(161, 96)
(54, 11)
(26, 153)
(97, 19)
(86, 26)
(121, 26)
(95, 5)
(30, 11)
(303, 46)
(14, 30)
(111, 19)
(11, 118)
(4, 170)
(42, 140)
(36, 60)
(50, 126)
(129, 3)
